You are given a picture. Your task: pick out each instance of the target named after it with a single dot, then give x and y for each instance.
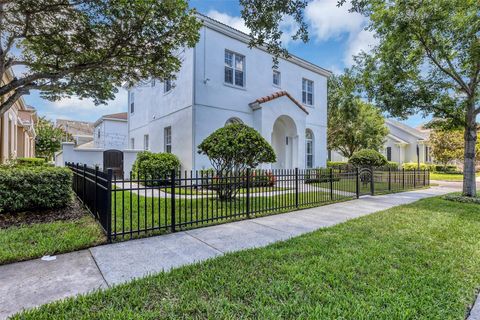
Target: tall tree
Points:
(447, 145)
(352, 123)
(427, 59)
(89, 47)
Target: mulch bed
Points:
(74, 210)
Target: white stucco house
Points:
(403, 144)
(111, 131)
(221, 81)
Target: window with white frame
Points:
(132, 102)
(167, 85)
(309, 149)
(146, 142)
(276, 77)
(167, 138)
(389, 153)
(132, 143)
(307, 92)
(234, 69)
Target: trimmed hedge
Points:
(414, 166)
(30, 162)
(27, 188)
(337, 164)
(368, 157)
(149, 165)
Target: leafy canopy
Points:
(89, 48)
(236, 147)
(352, 124)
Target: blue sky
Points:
(335, 36)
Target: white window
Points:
(152, 83)
(276, 78)
(167, 138)
(167, 85)
(132, 102)
(307, 92)
(233, 120)
(132, 143)
(309, 149)
(234, 69)
(145, 142)
(98, 134)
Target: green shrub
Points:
(415, 166)
(154, 166)
(392, 165)
(446, 169)
(30, 162)
(368, 157)
(26, 188)
(458, 197)
(337, 164)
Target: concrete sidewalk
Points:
(32, 283)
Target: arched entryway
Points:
(285, 143)
(113, 159)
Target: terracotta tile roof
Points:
(121, 116)
(276, 95)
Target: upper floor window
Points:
(276, 77)
(132, 102)
(167, 85)
(307, 92)
(234, 69)
(146, 142)
(167, 138)
(132, 143)
(98, 133)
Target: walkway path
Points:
(32, 283)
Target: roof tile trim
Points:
(276, 95)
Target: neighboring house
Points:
(223, 81)
(111, 131)
(17, 130)
(81, 131)
(402, 144)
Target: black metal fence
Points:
(142, 205)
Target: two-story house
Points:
(224, 81)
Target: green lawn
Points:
(39, 239)
(418, 261)
(446, 176)
(132, 212)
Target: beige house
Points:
(17, 129)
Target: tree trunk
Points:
(469, 183)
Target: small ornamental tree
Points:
(231, 150)
(154, 168)
(49, 138)
(368, 158)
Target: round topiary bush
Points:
(368, 158)
(154, 166)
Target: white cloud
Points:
(328, 21)
(234, 22)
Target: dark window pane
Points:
(239, 78)
(229, 75)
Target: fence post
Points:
(84, 184)
(414, 178)
(372, 181)
(95, 193)
(389, 179)
(296, 187)
(403, 178)
(172, 198)
(248, 193)
(109, 205)
(331, 183)
(424, 177)
(357, 182)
